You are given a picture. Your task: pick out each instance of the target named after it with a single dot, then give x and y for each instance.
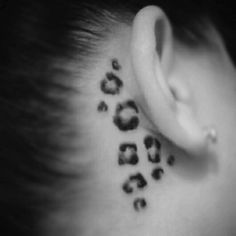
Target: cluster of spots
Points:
(128, 154)
(136, 181)
(126, 119)
(153, 147)
(110, 85)
(126, 116)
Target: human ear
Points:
(167, 106)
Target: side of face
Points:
(144, 137)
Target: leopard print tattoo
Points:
(128, 154)
(153, 147)
(111, 84)
(136, 181)
(126, 116)
(102, 107)
(115, 64)
(157, 173)
(139, 204)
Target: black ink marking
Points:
(157, 173)
(153, 147)
(126, 116)
(132, 104)
(171, 160)
(135, 181)
(148, 141)
(139, 204)
(112, 84)
(125, 126)
(115, 64)
(128, 154)
(127, 188)
(102, 107)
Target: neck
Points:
(130, 164)
(137, 182)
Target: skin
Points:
(194, 196)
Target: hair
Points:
(38, 40)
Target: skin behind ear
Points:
(152, 60)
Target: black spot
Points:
(126, 123)
(128, 154)
(135, 181)
(112, 84)
(139, 204)
(115, 64)
(171, 160)
(127, 188)
(153, 147)
(102, 107)
(148, 141)
(157, 173)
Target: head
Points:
(117, 118)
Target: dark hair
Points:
(38, 39)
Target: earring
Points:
(211, 134)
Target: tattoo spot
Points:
(128, 154)
(153, 147)
(135, 181)
(139, 204)
(171, 160)
(126, 116)
(112, 84)
(102, 107)
(157, 173)
(148, 141)
(115, 64)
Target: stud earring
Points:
(211, 134)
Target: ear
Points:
(152, 59)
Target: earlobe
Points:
(152, 60)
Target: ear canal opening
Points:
(159, 36)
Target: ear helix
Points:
(173, 119)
